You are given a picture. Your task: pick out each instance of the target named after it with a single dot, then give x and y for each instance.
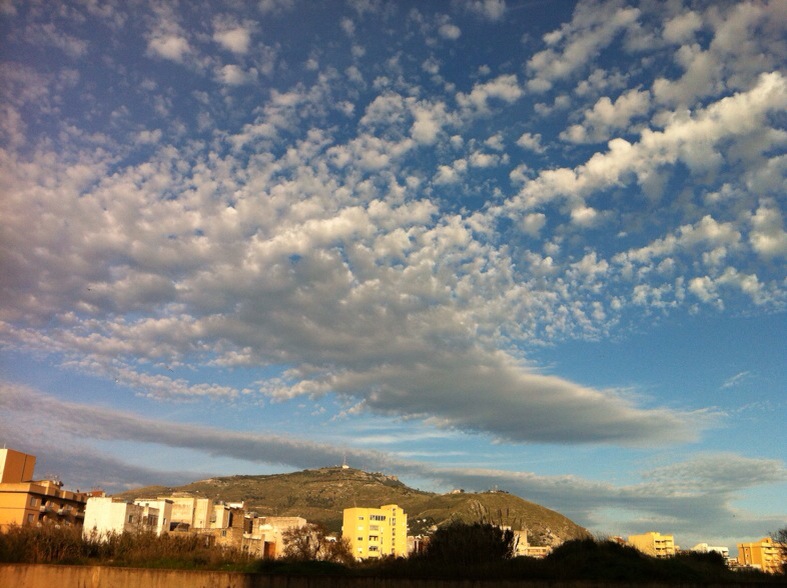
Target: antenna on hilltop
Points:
(344, 461)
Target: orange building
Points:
(765, 555)
(24, 501)
(654, 544)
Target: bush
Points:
(464, 545)
(66, 545)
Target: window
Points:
(360, 518)
(360, 538)
(131, 518)
(33, 501)
(30, 519)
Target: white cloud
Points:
(574, 45)
(692, 139)
(531, 141)
(49, 35)
(767, 236)
(492, 10)
(449, 31)
(682, 27)
(275, 6)
(172, 47)
(504, 87)
(234, 75)
(607, 117)
(533, 223)
(736, 379)
(237, 39)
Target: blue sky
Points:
(531, 245)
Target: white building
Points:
(105, 516)
(705, 548)
(157, 514)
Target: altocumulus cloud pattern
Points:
(361, 224)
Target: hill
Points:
(321, 495)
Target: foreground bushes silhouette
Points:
(464, 545)
(585, 559)
(65, 545)
(457, 552)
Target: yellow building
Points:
(24, 501)
(376, 532)
(653, 544)
(765, 554)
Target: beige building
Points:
(192, 512)
(764, 554)
(376, 532)
(24, 501)
(266, 539)
(654, 544)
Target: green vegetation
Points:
(457, 551)
(65, 545)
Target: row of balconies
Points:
(59, 509)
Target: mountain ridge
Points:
(320, 495)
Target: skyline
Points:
(531, 245)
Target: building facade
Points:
(105, 516)
(24, 501)
(266, 539)
(376, 532)
(654, 544)
(764, 554)
(705, 548)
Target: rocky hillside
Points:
(321, 495)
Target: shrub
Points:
(460, 544)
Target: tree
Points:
(460, 544)
(312, 543)
(780, 539)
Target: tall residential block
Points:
(376, 532)
(16, 466)
(24, 501)
(764, 554)
(654, 544)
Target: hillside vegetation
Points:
(320, 496)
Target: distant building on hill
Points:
(764, 555)
(376, 532)
(654, 544)
(25, 501)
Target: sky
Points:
(528, 245)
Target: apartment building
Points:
(764, 554)
(654, 544)
(376, 532)
(24, 501)
(105, 516)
